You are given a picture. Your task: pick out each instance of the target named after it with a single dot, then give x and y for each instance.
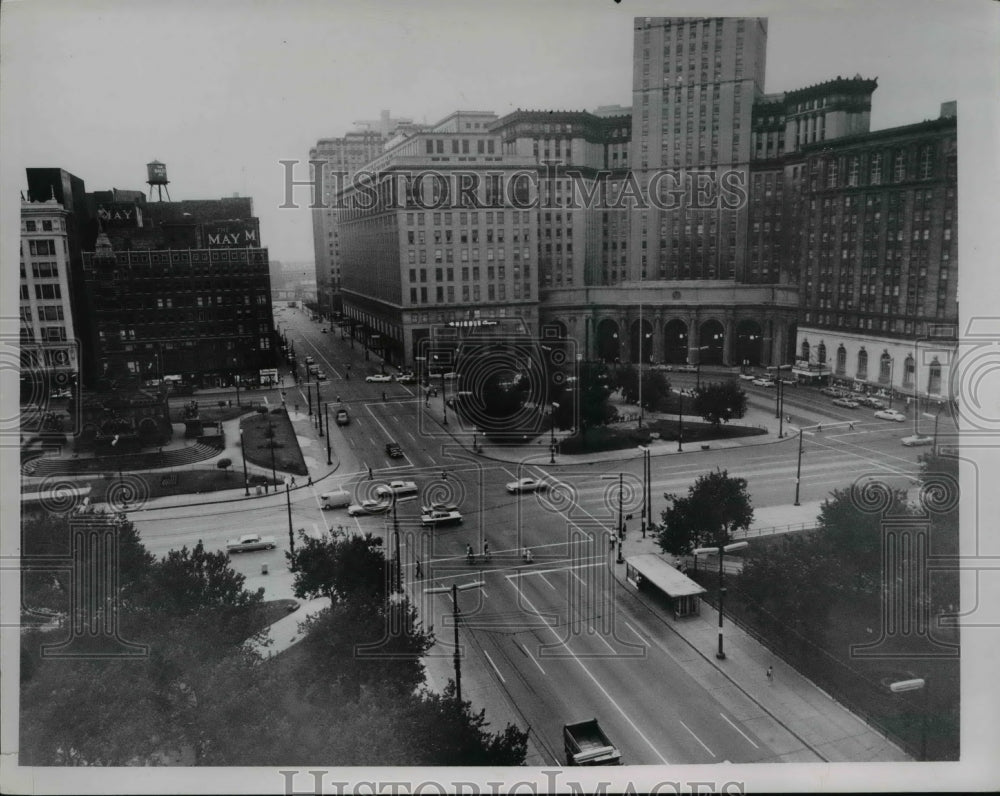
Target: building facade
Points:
(187, 296)
(50, 352)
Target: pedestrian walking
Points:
(293, 480)
(770, 674)
(486, 550)
(369, 473)
(420, 570)
(310, 480)
(851, 426)
(383, 396)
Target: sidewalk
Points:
(820, 727)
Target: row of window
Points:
(448, 255)
(437, 146)
(448, 274)
(47, 225)
(444, 294)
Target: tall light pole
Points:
(319, 417)
(309, 396)
(455, 589)
(722, 550)
(444, 400)
(246, 480)
(621, 521)
(288, 500)
(680, 422)
(936, 417)
(326, 409)
(552, 429)
(798, 467)
(917, 684)
(236, 381)
(121, 478)
(270, 441)
(647, 516)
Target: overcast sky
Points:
(221, 91)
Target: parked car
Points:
(378, 378)
(367, 507)
(748, 377)
(833, 392)
(869, 401)
(667, 368)
(763, 382)
(890, 414)
(846, 403)
(687, 369)
(342, 417)
(917, 440)
(393, 450)
(397, 488)
(526, 485)
(436, 518)
(406, 378)
(250, 541)
(309, 360)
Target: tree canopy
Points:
(720, 402)
(341, 568)
(716, 505)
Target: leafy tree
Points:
(720, 402)
(186, 581)
(224, 465)
(586, 401)
(716, 505)
(341, 568)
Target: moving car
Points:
(309, 360)
(320, 376)
(890, 414)
(336, 499)
(367, 507)
(393, 450)
(917, 440)
(250, 541)
(397, 488)
(436, 518)
(833, 392)
(687, 369)
(846, 403)
(342, 417)
(406, 378)
(378, 378)
(748, 377)
(763, 382)
(438, 507)
(526, 485)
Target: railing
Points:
(770, 530)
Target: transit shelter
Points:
(649, 572)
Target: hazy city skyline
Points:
(222, 92)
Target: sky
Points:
(222, 91)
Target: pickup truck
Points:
(250, 541)
(587, 745)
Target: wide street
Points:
(560, 636)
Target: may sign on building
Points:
(225, 234)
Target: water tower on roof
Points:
(156, 174)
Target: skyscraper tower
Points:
(694, 84)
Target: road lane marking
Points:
(524, 649)
(696, 738)
(601, 637)
(637, 633)
(749, 739)
(601, 688)
(495, 667)
(546, 580)
(411, 436)
(571, 572)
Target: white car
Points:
(890, 414)
(748, 377)
(438, 507)
(367, 507)
(450, 376)
(250, 541)
(917, 440)
(526, 485)
(378, 378)
(436, 518)
(763, 382)
(397, 488)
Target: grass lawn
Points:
(257, 445)
(620, 437)
(187, 481)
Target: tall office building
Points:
(332, 163)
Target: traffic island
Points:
(618, 437)
(269, 441)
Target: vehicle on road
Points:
(917, 440)
(587, 745)
(367, 507)
(832, 392)
(436, 518)
(687, 369)
(59, 394)
(526, 485)
(320, 376)
(313, 370)
(309, 360)
(336, 499)
(250, 541)
(342, 417)
(748, 377)
(450, 376)
(397, 488)
(845, 403)
(324, 330)
(869, 401)
(763, 382)
(393, 450)
(378, 378)
(666, 368)
(438, 507)
(406, 378)
(890, 414)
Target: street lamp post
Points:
(319, 417)
(309, 399)
(936, 417)
(916, 684)
(236, 380)
(722, 550)
(326, 409)
(444, 399)
(680, 422)
(892, 369)
(270, 442)
(647, 515)
(246, 480)
(798, 471)
(552, 429)
(288, 501)
(121, 478)
(621, 521)
(455, 589)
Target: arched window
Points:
(908, 371)
(821, 353)
(841, 361)
(805, 350)
(885, 368)
(862, 364)
(934, 377)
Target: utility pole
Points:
(246, 480)
(288, 500)
(326, 409)
(455, 589)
